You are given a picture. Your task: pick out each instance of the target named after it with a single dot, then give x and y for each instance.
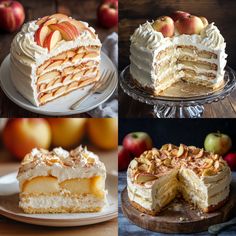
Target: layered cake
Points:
(59, 181)
(52, 56)
(158, 176)
(183, 47)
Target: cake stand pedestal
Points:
(173, 106)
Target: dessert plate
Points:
(61, 106)
(9, 200)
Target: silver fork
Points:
(98, 87)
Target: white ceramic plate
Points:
(60, 106)
(9, 199)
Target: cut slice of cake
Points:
(61, 181)
(52, 56)
(193, 51)
(156, 177)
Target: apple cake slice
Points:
(53, 56)
(59, 181)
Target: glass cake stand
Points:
(182, 100)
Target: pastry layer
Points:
(59, 203)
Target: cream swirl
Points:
(146, 36)
(24, 48)
(212, 37)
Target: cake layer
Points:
(61, 203)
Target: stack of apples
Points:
(221, 144)
(21, 135)
(183, 22)
(134, 144)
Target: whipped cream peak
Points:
(148, 37)
(211, 37)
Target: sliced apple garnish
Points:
(42, 20)
(41, 184)
(59, 16)
(52, 39)
(67, 30)
(41, 34)
(144, 177)
(50, 21)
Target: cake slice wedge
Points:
(59, 181)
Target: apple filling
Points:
(78, 186)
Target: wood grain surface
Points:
(133, 13)
(178, 217)
(83, 9)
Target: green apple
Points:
(217, 143)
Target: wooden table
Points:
(84, 10)
(11, 227)
(133, 13)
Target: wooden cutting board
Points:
(178, 217)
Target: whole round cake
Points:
(53, 56)
(180, 47)
(156, 177)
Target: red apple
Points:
(137, 142)
(52, 39)
(189, 25)
(217, 143)
(124, 158)
(21, 135)
(165, 25)
(178, 14)
(107, 13)
(12, 15)
(230, 158)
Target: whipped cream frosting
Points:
(146, 43)
(78, 163)
(26, 56)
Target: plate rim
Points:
(58, 222)
(30, 107)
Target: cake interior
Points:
(183, 182)
(187, 63)
(67, 71)
(49, 195)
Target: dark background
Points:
(135, 12)
(176, 131)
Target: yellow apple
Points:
(67, 132)
(103, 132)
(21, 135)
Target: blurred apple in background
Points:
(107, 13)
(217, 143)
(124, 158)
(137, 142)
(12, 15)
(67, 132)
(21, 135)
(103, 132)
(230, 158)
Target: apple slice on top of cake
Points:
(58, 181)
(52, 56)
